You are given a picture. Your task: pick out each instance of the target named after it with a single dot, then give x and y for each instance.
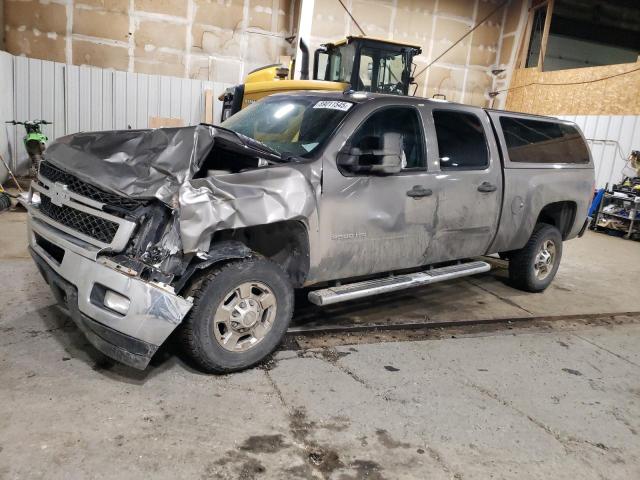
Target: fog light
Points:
(116, 302)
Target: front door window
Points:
(401, 120)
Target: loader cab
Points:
(356, 63)
(367, 64)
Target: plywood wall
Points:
(464, 74)
(217, 40)
(563, 92)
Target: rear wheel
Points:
(533, 267)
(240, 313)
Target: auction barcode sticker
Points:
(333, 105)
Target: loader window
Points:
(382, 71)
(340, 64)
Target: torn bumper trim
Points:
(585, 225)
(123, 348)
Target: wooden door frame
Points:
(526, 39)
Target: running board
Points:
(351, 291)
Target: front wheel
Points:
(240, 313)
(533, 267)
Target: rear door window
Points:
(539, 141)
(462, 144)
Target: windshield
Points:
(289, 125)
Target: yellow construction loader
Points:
(358, 63)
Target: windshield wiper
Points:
(288, 156)
(257, 144)
(250, 142)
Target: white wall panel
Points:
(7, 133)
(107, 100)
(611, 139)
(71, 98)
(85, 100)
(21, 109)
(96, 99)
(89, 99)
(59, 105)
(142, 101)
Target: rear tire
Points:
(240, 313)
(533, 267)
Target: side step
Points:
(351, 291)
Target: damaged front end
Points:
(120, 221)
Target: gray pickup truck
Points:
(209, 230)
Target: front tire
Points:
(240, 313)
(533, 267)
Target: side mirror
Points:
(390, 156)
(383, 161)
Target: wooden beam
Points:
(545, 34)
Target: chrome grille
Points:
(95, 227)
(74, 184)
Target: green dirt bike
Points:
(34, 141)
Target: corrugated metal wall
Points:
(89, 98)
(611, 138)
(6, 108)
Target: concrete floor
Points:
(553, 402)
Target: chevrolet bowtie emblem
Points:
(59, 193)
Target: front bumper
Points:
(77, 273)
(123, 348)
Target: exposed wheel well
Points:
(285, 243)
(559, 214)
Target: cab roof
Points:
(361, 97)
(351, 38)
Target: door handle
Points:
(419, 191)
(487, 187)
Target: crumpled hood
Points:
(161, 163)
(142, 164)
